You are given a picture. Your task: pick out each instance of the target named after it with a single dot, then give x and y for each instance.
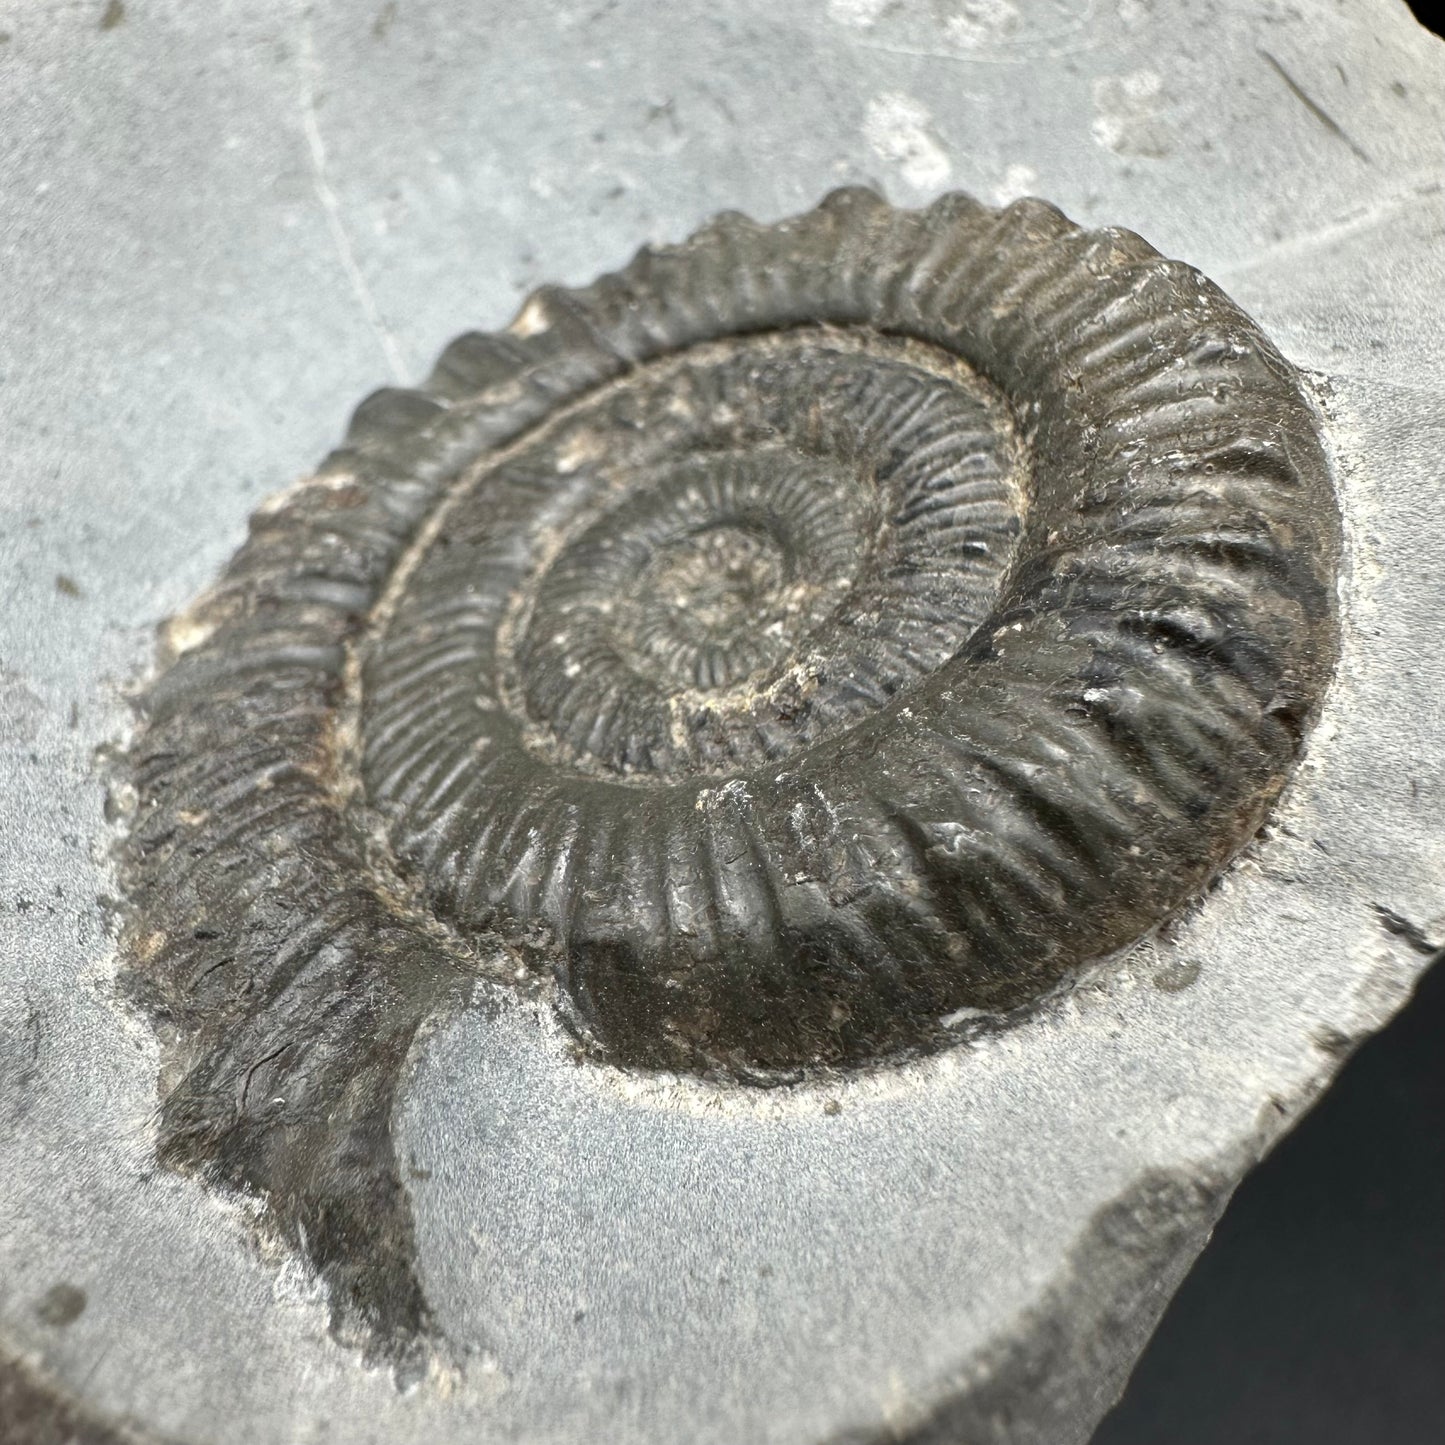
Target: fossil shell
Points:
(808, 635)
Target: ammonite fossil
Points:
(808, 639)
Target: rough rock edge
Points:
(1047, 1378)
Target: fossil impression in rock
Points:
(809, 644)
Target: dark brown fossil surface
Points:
(785, 652)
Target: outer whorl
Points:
(803, 635)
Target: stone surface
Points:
(225, 225)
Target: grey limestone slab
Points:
(223, 225)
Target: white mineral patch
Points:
(1018, 181)
(900, 129)
(858, 13)
(983, 22)
(1129, 114)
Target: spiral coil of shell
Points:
(808, 633)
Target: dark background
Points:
(1317, 1314)
(1427, 12)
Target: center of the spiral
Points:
(687, 593)
(718, 560)
(715, 604)
(717, 579)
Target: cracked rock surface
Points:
(225, 225)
